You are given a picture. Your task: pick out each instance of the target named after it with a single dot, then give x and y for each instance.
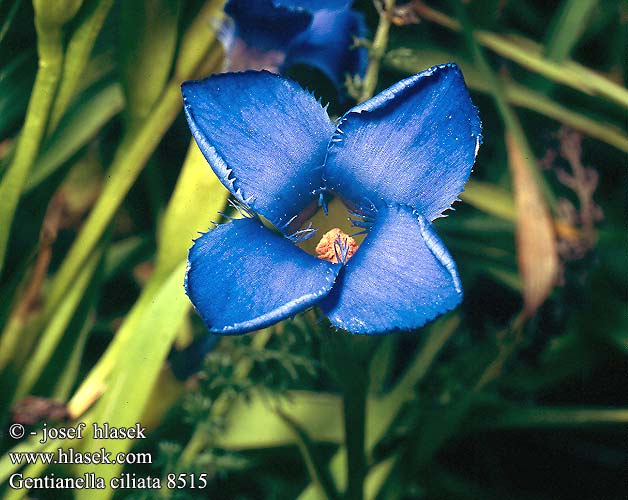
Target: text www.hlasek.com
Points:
(71, 456)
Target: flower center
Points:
(336, 246)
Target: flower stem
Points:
(511, 121)
(377, 51)
(348, 358)
(76, 57)
(38, 361)
(133, 154)
(50, 51)
(355, 423)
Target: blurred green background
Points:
(520, 393)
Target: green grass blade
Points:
(80, 125)
(568, 25)
(529, 55)
(491, 199)
(548, 418)
(56, 328)
(316, 468)
(132, 155)
(197, 198)
(129, 387)
(50, 51)
(148, 41)
(77, 55)
(9, 19)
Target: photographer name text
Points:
(104, 431)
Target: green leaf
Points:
(316, 468)
(131, 379)
(567, 26)
(490, 199)
(80, 125)
(197, 198)
(257, 426)
(55, 329)
(148, 39)
(529, 55)
(77, 55)
(14, 91)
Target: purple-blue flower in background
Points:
(276, 34)
(397, 161)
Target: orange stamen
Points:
(327, 249)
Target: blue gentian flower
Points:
(398, 160)
(319, 34)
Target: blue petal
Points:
(242, 277)
(413, 144)
(328, 45)
(267, 24)
(264, 137)
(400, 278)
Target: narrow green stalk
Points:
(70, 374)
(377, 51)
(55, 329)
(511, 121)
(438, 336)
(9, 340)
(567, 27)
(529, 55)
(317, 471)
(79, 127)
(549, 417)
(9, 19)
(132, 155)
(348, 359)
(76, 57)
(50, 50)
(383, 413)
(130, 158)
(354, 411)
